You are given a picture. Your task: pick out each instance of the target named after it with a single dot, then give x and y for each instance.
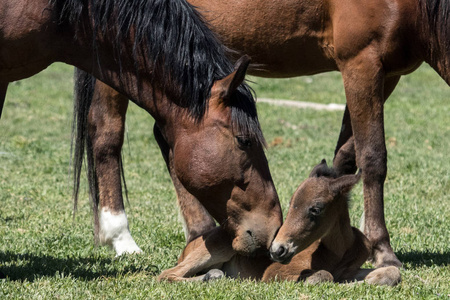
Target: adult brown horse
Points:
(163, 56)
(372, 43)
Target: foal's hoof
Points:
(319, 277)
(213, 274)
(389, 276)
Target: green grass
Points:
(46, 254)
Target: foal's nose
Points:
(280, 253)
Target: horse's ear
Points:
(322, 169)
(344, 184)
(230, 83)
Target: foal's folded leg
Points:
(318, 277)
(202, 254)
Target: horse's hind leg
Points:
(197, 220)
(3, 88)
(106, 131)
(364, 80)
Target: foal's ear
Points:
(230, 83)
(322, 169)
(344, 184)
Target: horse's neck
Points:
(137, 84)
(340, 236)
(346, 246)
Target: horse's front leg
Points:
(205, 253)
(3, 88)
(196, 219)
(364, 82)
(344, 161)
(106, 125)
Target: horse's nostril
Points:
(249, 233)
(281, 252)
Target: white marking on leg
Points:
(114, 231)
(183, 223)
(362, 222)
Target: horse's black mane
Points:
(437, 14)
(178, 46)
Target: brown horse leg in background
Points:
(106, 131)
(107, 136)
(364, 77)
(344, 161)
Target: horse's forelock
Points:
(244, 116)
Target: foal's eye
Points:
(244, 142)
(315, 211)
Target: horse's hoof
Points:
(319, 277)
(389, 276)
(213, 274)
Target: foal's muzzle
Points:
(281, 253)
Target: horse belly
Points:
(285, 38)
(25, 48)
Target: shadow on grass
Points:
(31, 267)
(427, 258)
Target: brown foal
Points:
(316, 242)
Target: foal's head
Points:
(315, 208)
(221, 162)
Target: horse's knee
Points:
(107, 144)
(373, 163)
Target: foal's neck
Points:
(340, 237)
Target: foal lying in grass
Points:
(316, 243)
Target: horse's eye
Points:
(244, 142)
(315, 211)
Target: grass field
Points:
(45, 254)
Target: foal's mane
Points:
(437, 15)
(177, 45)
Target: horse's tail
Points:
(83, 94)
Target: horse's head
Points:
(221, 161)
(314, 209)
